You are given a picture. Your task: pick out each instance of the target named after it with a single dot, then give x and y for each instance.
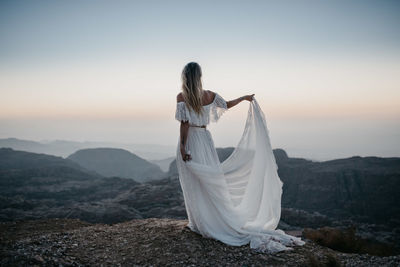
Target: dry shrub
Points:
(331, 261)
(313, 261)
(345, 240)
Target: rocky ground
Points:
(150, 242)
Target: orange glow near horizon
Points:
(353, 89)
(310, 110)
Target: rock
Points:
(156, 242)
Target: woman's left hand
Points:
(248, 97)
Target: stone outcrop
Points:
(150, 242)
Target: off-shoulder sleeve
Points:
(218, 107)
(180, 113)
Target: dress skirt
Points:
(237, 201)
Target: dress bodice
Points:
(211, 112)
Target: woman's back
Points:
(207, 98)
(212, 110)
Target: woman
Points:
(236, 201)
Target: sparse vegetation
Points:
(346, 240)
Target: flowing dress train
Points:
(237, 201)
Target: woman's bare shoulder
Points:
(211, 94)
(179, 98)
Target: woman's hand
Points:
(248, 97)
(185, 156)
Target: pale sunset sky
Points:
(325, 73)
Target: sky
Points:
(325, 73)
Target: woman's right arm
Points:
(236, 101)
(183, 138)
(184, 128)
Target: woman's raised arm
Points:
(236, 101)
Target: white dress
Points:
(237, 201)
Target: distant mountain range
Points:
(164, 163)
(364, 189)
(43, 186)
(65, 148)
(111, 162)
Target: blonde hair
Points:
(192, 88)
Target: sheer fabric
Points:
(211, 112)
(237, 201)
